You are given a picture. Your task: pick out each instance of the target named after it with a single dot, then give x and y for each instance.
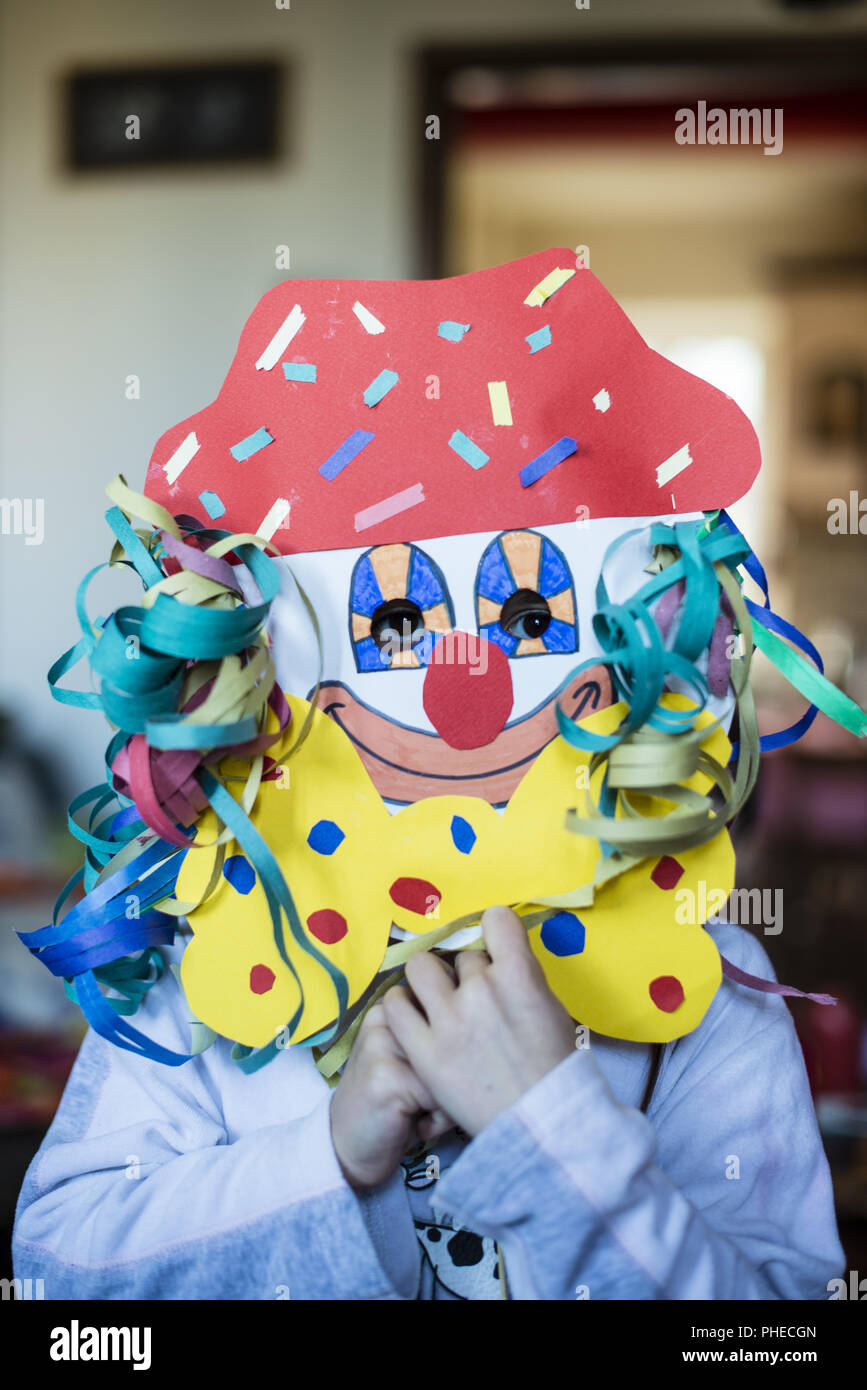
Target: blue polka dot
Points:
(325, 837)
(463, 834)
(563, 934)
(240, 873)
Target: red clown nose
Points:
(467, 690)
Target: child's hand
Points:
(380, 1108)
(479, 1042)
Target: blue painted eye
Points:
(525, 598)
(398, 603)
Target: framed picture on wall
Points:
(194, 114)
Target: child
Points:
(596, 1098)
(205, 1183)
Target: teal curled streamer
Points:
(147, 567)
(632, 645)
(131, 977)
(640, 663)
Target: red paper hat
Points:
(361, 412)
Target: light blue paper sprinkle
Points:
(541, 338)
(299, 371)
(380, 387)
(469, 452)
(451, 331)
(251, 445)
(212, 504)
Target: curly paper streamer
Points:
(698, 581)
(188, 680)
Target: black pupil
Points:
(525, 614)
(398, 624)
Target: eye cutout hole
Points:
(525, 614)
(397, 625)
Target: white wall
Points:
(154, 273)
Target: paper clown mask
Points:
(444, 466)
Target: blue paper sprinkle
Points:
(212, 504)
(451, 331)
(345, 454)
(299, 371)
(251, 445)
(325, 837)
(541, 338)
(469, 452)
(563, 934)
(463, 834)
(240, 873)
(543, 463)
(380, 387)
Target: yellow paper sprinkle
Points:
(500, 407)
(548, 286)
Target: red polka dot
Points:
(667, 872)
(261, 979)
(666, 991)
(415, 894)
(327, 925)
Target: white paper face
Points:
(383, 708)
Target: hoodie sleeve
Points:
(721, 1192)
(199, 1182)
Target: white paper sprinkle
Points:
(672, 466)
(186, 450)
(602, 400)
(281, 340)
(275, 518)
(367, 320)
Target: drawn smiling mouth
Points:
(407, 764)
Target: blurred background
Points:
(394, 139)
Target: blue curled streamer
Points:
(106, 1020)
(753, 566)
(94, 941)
(101, 917)
(771, 620)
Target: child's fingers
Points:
(373, 1018)
(418, 1099)
(470, 963)
(408, 1025)
(431, 980)
(504, 933)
